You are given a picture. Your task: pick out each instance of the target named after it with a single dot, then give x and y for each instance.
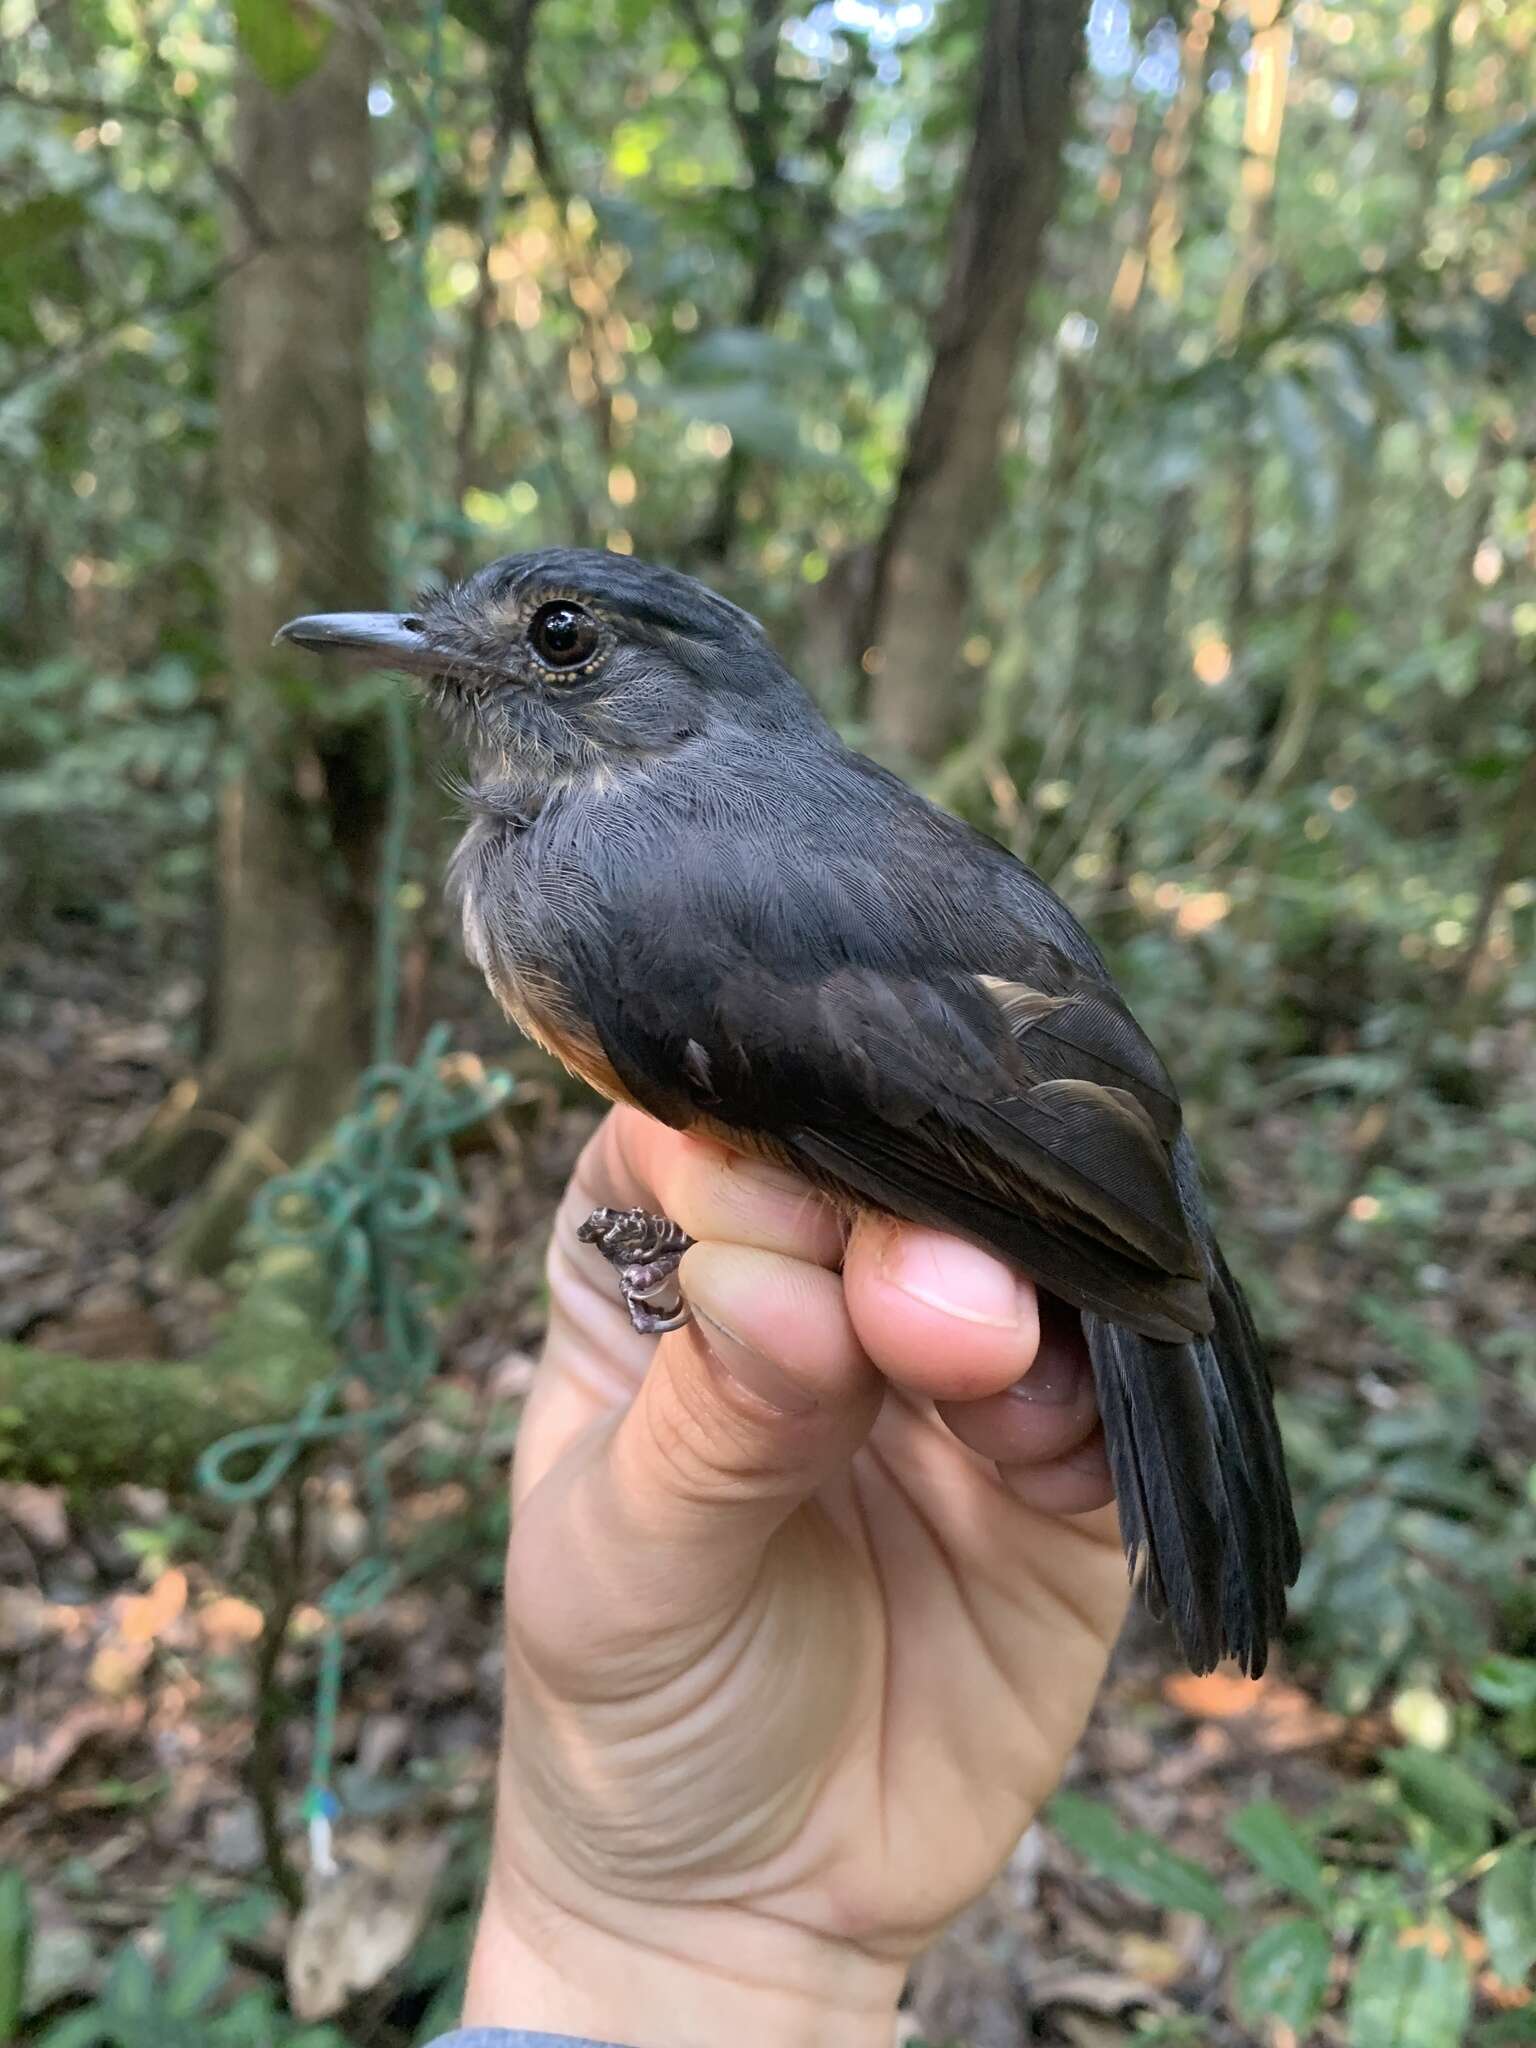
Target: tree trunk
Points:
(947, 496)
(791, 220)
(1252, 224)
(299, 815)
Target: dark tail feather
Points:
(1200, 1478)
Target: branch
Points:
(787, 242)
(105, 331)
(747, 127)
(548, 424)
(521, 105)
(183, 118)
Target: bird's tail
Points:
(1200, 1477)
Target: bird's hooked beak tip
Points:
(380, 639)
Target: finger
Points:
(1072, 1485)
(594, 1358)
(715, 1194)
(741, 1416)
(1044, 1432)
(1044, 1415)
(766, 1395)
(938, 1316)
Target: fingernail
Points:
(1054, 1380)
(957, 1278)
(759, 1375)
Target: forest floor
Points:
(129, 1626)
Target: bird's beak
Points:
(380, 639)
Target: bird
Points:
(680, 879)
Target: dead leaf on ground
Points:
(356, 1926)
(229, 1621)
(1215, 1696)
(1150, 1960)
(117, 1667)
(1502, 1995)
(104, 1331)
(1247, 1715)
(38, 1511)
(143, 1616)
(31, 1765)
(1107, 1992)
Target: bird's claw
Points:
(644, 1251)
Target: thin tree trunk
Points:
(1436, 121)
(1445, 1009)
(512, 106)
(1308, 686)
(1252, 222)
(1154, 610)
(299, 816)
(921, 699)
(789, 219)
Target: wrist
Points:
(654, 1975)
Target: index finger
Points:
(714, 1193)
(594, 1359)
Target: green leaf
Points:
(39, 259)
(1294, 417)
(1506, 1682)
(1283, 1973)
(1447, 1365)
(1271, 1842)
(197, 1969)
(80, 2030)
(1406, 1994)
(15, 1948)
(285, 39)
(1135, 1860)
(1506, 1909)
(130, 1993)
(1446, 1793)
(760, 424)
(741, 354)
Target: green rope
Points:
(381, 1214)
(380, 1211)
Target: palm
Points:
(851, 1732)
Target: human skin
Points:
(807, 1604)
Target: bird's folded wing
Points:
(1036, 1122)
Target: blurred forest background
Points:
(1127, 420)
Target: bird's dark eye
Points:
(563, 636)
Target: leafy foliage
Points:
(179, 1990)
(1411, 1980)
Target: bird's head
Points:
(571, 659)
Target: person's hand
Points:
(806, 1606)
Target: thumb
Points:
(746, 1410)
(649, 1539)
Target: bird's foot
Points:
(644, 1251)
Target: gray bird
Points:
(680, 880)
